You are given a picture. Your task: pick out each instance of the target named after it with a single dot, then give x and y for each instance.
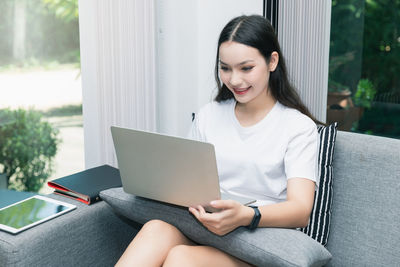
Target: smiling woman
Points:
(243, 43)
(266, 149)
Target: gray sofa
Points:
(365, 223)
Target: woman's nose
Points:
(235, 79)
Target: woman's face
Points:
(244, 71)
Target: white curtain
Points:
(118, 72)
(304, 34)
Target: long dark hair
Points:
(256, 31)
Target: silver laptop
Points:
(169, 169)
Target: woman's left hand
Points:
(232, 214)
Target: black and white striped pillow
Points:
(318, 226)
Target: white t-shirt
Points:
(257, 161)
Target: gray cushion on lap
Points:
(262, 247)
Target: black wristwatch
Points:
(256, 219)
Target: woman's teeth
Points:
(241, 90)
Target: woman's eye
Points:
(247, 68)
(223, 68)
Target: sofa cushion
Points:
(262, 247)
(319, 223)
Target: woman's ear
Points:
(273, 61)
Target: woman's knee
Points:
(188, 255)
(180, 255)
(165, 231)
(158, 226)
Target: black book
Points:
(85, 186)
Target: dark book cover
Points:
(85, 186)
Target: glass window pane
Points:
(364, 85)
(41, 133)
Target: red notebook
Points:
(85, 186)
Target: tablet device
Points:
(29, 212)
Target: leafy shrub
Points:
(27, 149)
(365, 93)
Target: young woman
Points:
(266, 146)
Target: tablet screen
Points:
(31, 211)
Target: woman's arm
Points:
(292, 213)
(295, 211)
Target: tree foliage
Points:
(381, 54)
(63, 9)
(347, 24)
(52, 32)
(365, 43)
(27, 148)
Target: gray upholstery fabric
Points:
(87, 236)
(365, 226)
(263, 247)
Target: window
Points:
(364, 83)
(41, 134)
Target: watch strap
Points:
(256, 219)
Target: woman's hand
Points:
(232, 214)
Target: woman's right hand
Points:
(232, 215)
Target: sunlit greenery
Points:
(49, 33)
(68, 110)
(66, 10)
(28, 146)
(35, 35)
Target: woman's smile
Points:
(241, 91)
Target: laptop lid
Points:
(166, 168)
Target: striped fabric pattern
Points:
(318, 226)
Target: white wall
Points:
(186, 40)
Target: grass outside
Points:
(63, 111)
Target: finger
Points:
(212, 221)
(205, 217)
(201, 210)
(194, 211)
(223, 204)
(197, 212)
(200, 213)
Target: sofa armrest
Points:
(87, 236)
